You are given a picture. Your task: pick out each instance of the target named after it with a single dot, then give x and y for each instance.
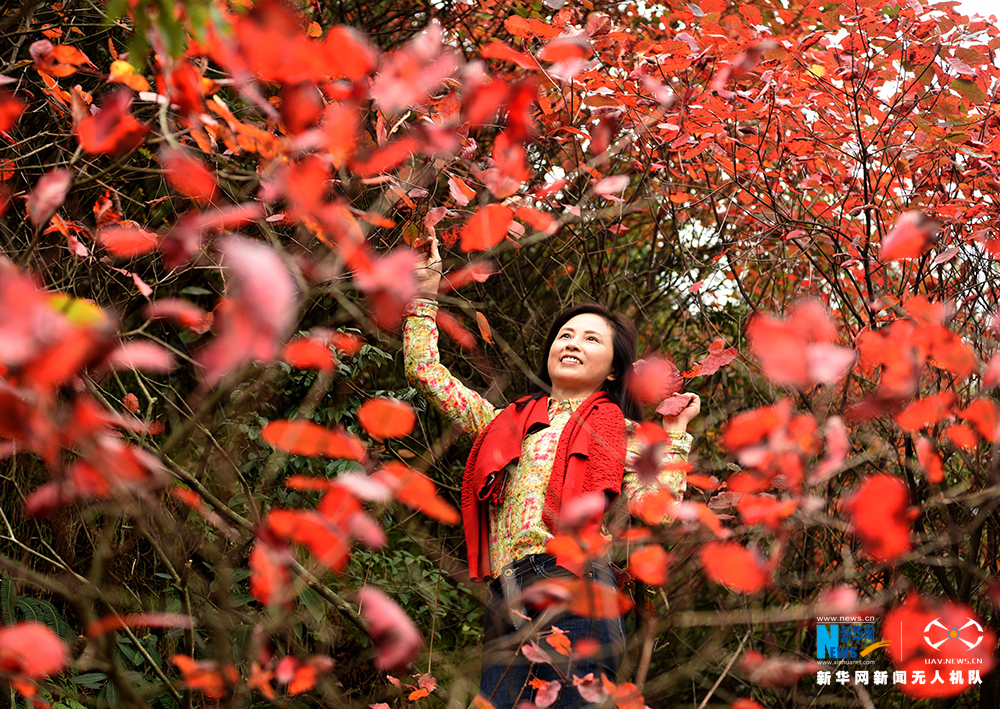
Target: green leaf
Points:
(969, 90)
(44, 612)
(8, 597)
(90, 680)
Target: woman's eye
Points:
(564, 336)
(592, 338)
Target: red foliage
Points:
(397, 640)
(48, 195)
(775, 671)
(718, 356)
(112, 130)
(798, 351)
(649, 564)
(486, 228)
(911, 236)
(387, 418)
(31, 650)
(309, 353)
(311, 439)
(881, 516)
(733, 565)
(417, 491)
(206, 676)
(189, 175)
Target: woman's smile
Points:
(580, 358)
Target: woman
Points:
(532, 462)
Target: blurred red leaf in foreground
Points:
(397, 640)
(189, 175)
(486, 228)
(112, 130)
(48, 195)
(881, 516)
(311, 439)
(386, 418)
(208, 676)
(31, 650)
(910, 237)
(733, 565)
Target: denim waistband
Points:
(533, 566)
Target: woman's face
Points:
(581, 356)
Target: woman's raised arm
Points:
(422, 361)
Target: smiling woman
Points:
(549, 464)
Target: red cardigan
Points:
(590, 457)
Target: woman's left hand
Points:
(679, 423)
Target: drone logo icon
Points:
(952, 633)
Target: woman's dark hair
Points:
(624, 336)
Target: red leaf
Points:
(673, 405)
(456, 330)
(477, 272)
(614, 185)
(310, 439)
(566, 48)
(112, 130)
(388, 283)
(301, 106)
(911, 236)
(718, 356)
(397, 640)
(140, 355)
(460, 191)
(504, 52)
(180, 312)
(930, 461)
(929, 634)
(547, 694)
(766, 510)
(409, 74)
(649, 565)
(484, 327)
(189, 175)
(386, 418)
(734, 566)
(131, 402)
(128, 241)
(654, 379)
(961, 435)
(538, 220)
(382, 160)
(926, 412)
(535, 654)
(483, 100)
(881, 516)
(486, 228)
(111, 623)
(259, 312)
(48, 195)
(208, 676)
(349, 53)
(982, 414)
(31, 650)
(270, 581)
(309, 353)
(417, 491)
(10, 110)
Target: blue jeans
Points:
(506, 671)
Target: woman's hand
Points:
(427, 273)
(679, 423)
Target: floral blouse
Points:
(515, 525)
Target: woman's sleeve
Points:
(422, 362)
(671, 473)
